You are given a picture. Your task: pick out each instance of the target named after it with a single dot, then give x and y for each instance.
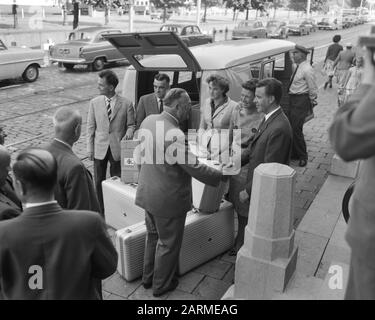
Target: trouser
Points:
(297, 112)
(163, 244)
(100, 174)
(341, 76)
(361, 282)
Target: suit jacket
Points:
(72, 249)
(165, 189)
(10, 205)
(75, 187)
(221, 117)
(272, 143)
(102, 133)
(352, 135)
(148, 104)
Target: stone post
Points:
(267, 260)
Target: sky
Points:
(30, 2)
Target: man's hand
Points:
(244, 196)
(128, 136)
(369, 69)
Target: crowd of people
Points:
(52, 224)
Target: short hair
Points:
(66, 120)
(273, 87)
(222, 82)
(162, 77)
(173, 95)
(336, 38)
(250, 85)
(110, 77)
(36, 168)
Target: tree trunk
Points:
(106, 18)
(247, 13)
(164, 13)
(205, 11)
(234, 14)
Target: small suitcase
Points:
(129, 168)
(119, 204)
(205, 237)
(207, 198)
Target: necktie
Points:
(109, 109)
(261, 124)
(292, 78)
(161, 105)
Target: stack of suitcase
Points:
(205, 237)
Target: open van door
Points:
(311, 49)
(133, 45)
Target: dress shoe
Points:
(147, 285)
(302, 163)
(172, 286)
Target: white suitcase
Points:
(119, 204)
(207, 198)
(205, 237)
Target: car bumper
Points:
(74, 61)
(294, 31)
(274, 36)
(241, 37)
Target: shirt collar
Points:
(112, 100)
(37, 204)
(63, 142)
(172, 116)
(268, 115)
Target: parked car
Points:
(298, 27)
(330, 24)
(86, 46)
(311, 23)
(190, 34)
(16, 62)
(158, 14)
(249, 29)
(277, 29)
(347, 22)
(188, 68)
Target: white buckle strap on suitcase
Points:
(119, 204)
(205, 237)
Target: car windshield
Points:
(245, 24)
(171, 28)
(273, 24)
(81, 36)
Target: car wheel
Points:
(98, 64)
(68, 66)
(307, 32)
(31, 73)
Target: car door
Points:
(188, 34)
(267, 68)
(199, 37)
(12, 63)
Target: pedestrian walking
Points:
(353, 78)
(343, 63)
(331, 55)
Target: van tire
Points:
(68, 66)
(98, 64)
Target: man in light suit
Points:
(153, 103)
(10, 205)
(48, 252)
(110, 119)
(352, 135)
(273, 141)
(164, 190)
(75, 187)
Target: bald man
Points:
(47, 252)
(10, 205)
(75, 187)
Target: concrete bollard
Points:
(267, 260)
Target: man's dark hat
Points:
(301, 49)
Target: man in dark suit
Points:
(164, 190)
(75, 187)
(153, 103)
(10, 205)
(352, 135)
(48, 252)
(110, 119)
(273, 141)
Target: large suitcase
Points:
(207, 198)
(119, 204)
(205, 237)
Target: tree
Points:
(301, 5)
(106, 4)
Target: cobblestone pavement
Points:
(25, 113)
